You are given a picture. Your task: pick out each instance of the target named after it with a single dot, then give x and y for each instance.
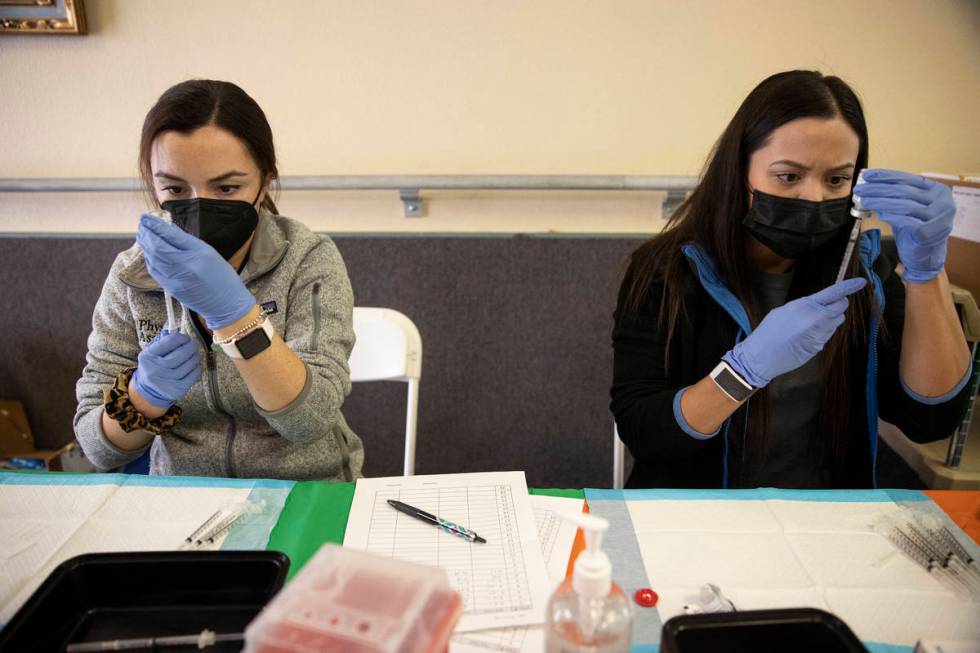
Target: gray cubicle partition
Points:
(515, 330)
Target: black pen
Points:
(447, 526)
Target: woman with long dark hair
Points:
(250, 379)
(739, 362)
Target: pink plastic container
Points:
(356, 602)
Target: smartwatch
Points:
(733, 385)
(251, 344)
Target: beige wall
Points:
(508, 87)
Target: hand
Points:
(193, 272)
(166, 369)
(792, 334)
(920, 212)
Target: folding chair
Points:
(389, 348)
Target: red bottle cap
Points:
(646, 597)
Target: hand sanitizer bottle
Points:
(589, 613)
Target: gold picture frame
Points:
(42, 17)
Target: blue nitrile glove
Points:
(166, 369)
(193, 272)
(920, 212)
(792, 334)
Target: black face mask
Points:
(223, 224)
(792, 228)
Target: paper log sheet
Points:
(502, 582)
(557, 537)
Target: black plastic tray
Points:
(801, 630)
(105, 596)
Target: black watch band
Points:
(731, 383)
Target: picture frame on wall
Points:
(42, 17)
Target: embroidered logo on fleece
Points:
(147, 330)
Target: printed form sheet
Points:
(557, 537)
(503, 582)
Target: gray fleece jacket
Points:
(301, 279)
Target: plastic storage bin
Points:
(107, 596)
(801, 630)
(356, 602)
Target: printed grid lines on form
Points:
(548, 524)
(511, 640)
(490, 577)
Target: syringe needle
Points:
(172, 325)
(851, 241)
(859, 214)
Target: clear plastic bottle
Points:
(588, 613)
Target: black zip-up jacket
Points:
(644, 389)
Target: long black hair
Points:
(190, 105)
(712, 217)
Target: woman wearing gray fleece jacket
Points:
(252, 382)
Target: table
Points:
(316, 513)
(313, 513)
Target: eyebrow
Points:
(795, 164)
(227, 175)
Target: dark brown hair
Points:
(712, 217)
(195, 103)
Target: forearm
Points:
(705, 406)
(135, 440)
(934, 354)
(276, 376)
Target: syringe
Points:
(172, 324)
(204, 639)
(859, 214)
(915, 535)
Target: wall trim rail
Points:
(409, 187)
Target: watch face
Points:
(255, 342)
(731, 386)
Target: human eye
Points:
(787, 178)
(172, 190)
(228, 189)
(838, 180)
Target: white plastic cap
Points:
(856, 210)
(592, 576)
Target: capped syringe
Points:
(172, 324)
(859, 214)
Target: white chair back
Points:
(389, 348)
(619, 460)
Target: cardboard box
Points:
(17, 443)
(963, 254)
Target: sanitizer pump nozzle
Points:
(593, 572)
